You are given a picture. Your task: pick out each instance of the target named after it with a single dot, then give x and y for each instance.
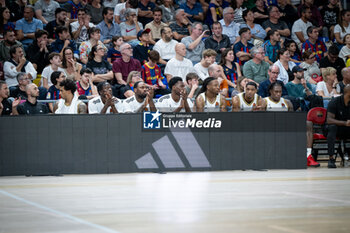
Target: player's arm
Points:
(223, 104)
(290, 105)
(235, 104)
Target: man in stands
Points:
(108, 27)
(63, 41)
(274, 22)
(317, 47)
(333, 60)
(31, 106)
(256, 69)
(5, 45)
(182, 25)
(141, 101)
(19, 91)
(5, 103)
(193, 10)
(194, 43)
(81, 26)
(300, 26)
(242, 47)
(218, 41)
(275, 102)
(216, 71)
(210, 99)
(38, 51)
(166, 45)
(229, 27)
(247, 100)
(61, 19)
(338, 122)
(177, 101)
(120, 8)
(105, 103)
(273, 73)
(156, 25)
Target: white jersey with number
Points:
(211, 107)
(244, 105)
(276, 106)
(167, 104)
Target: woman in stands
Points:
(343, 28)
(214, 13)
(312, 74)
(327, 87)
(286, 65)
(209, 98)
(238, 8)
(260, 12)
(101, 68)
(168, 9)
(70, 65)
(5, 24)
(86, 46)
(293, 51)
(232, 69)
(257, 31)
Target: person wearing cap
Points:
(141, 50)
(298, 88)
(130, 27)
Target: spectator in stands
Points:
(345, 50)
(256, 68)
(242, 47)
(124, 65)
(214, 13)
(179, 65)
(16, 8)
(293, 51)
(193, 10)
(317, 46)
(69, 102)
(81, 26)
(31, 106)
(275, 102)
(70, 66)
(86, 46)
(60, 19)
(85, 86)
(338, 122)
(5, 21)
(216, 71)
(312, 71)
(238, 8)
(107, 27)
(95, 9)
(105, 102)
(114, 52)
(288, 11)
(217, 41)
(272, 45)
(229, 26)
(110, 3)
(17, 63)
(181, 27)
(55, 65)
(201, 68)
(19, 91)
(273, 73)
(260, 12)
(316, 18)
(152, 74)
(120, 10)
(333, 60)
(299, 34)
(241, 85)
(194, 43)
(247, 100)
(231, 69)
(141, 101)
(209, 98)
(258, 33)
(133, 77)
(177, 101)
(73, 7)
(298, 88)
(5, 45)
(63, 41)
(343, 28)
(156, 25)
(346, 80)
(274, 22)
(38, 51)
(328, 87)
(330, 14)
(54, 91)
(166, 45)
(130, 27)
(26, 27)
(192, 87)
(140, 51)
(168, 9)
(285, 65)
(101, 68)
(145, 11)
(5, 103)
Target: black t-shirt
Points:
(7, 107)
(338, 108)
(141, 53)
(102, 67)
(16, 93)
(338, 65)
(28, 108)
(330, 15)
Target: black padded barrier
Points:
(95, 144)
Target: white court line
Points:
(62, 214)
(316, 197)
(285, 229)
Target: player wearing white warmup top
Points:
(209, 98)
(248, 100)
(275, 102)
(142, 100)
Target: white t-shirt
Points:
(119, 10)
(201, 71)
(337, 29)
(110, 3)
(344, 52)
(167, 104)
(175, 67)
(83, 35)
(96, 106)
(46, 74)
(129, 30)
(300, 26)
(132, 105)
(165, 50)
(321, 86)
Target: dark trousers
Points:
(333, 132)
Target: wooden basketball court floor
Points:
(292, 201)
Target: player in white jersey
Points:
(209, 98)
(275, 102)
(177, 100)
(105, 103)
(142, 100)
(248, 100)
